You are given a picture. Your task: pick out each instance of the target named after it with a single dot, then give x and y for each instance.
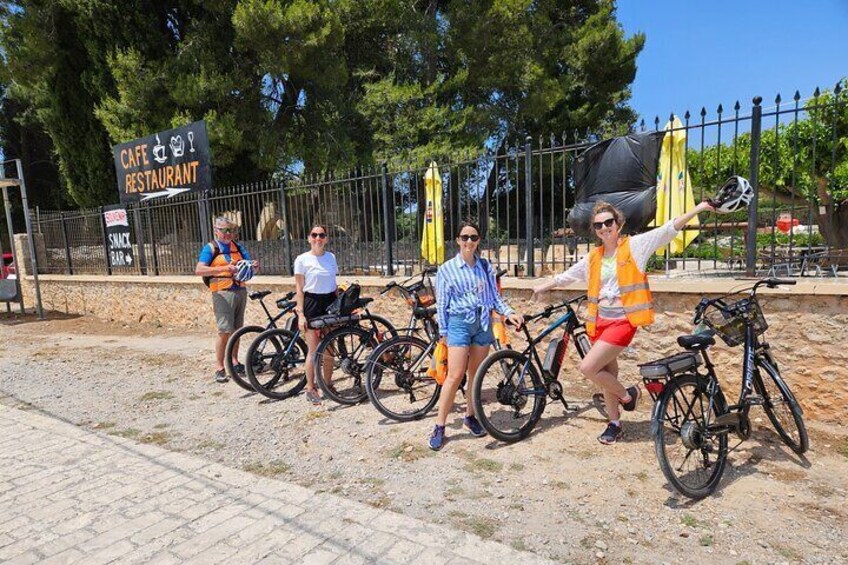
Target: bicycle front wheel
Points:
(277, 367)
(691, 455)
(781, 407)
(397, 382)
(341, 363)
(248, 334)
(508, 395)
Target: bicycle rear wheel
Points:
(277, 369)
(508, 395)
(781, 407)
(397, 382)
(341, 363)
(691, 456)
(246, 334)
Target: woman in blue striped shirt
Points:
(466, 294)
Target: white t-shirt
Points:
(319, 271)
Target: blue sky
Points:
(706, 53)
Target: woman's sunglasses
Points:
(318, 235)
(606, 223)
(466, 237)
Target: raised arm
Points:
(577, 272)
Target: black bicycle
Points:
(284, 352)
(691, 420)
(512, 387)
(397, 381)
(286, 306)
(341, 358)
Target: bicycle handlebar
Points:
(705, 303)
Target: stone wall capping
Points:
(659, 283)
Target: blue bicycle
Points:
(512, 387)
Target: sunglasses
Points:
(466, 237)
(606, 223)
(317, 235)
(228, 230)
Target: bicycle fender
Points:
(655, 416)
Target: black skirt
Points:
(315, 305)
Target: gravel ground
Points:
(559, 493)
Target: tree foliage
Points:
(294, 86)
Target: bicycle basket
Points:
(730, 323)
(424, 292)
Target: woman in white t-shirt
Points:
(315, 279)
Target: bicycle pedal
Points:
(755, 400)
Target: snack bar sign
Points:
(118, 235)
(164, 164)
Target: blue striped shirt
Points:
(464, 291)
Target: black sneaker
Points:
(634, 393)
(239, 369)
(221, 376)
(610, 435)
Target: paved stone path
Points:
(71, 495)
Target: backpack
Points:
(216, 250)
(346, 302)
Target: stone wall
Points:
(808, 323)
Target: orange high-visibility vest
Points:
(226, 281)
(635, 294)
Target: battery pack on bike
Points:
(554, 356)
(656, 374)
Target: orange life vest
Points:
(633, 283)
(224, 282)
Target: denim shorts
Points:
(464, 334)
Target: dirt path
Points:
(560, 493)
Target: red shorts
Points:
(614, 332)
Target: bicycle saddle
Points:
(259, 294)
(421, 313)
(696, 342)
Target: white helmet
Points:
(244, 271)
(733, 194)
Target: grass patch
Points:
(104, 425)
(842, 448)
(516, 467)
(642, 476)
(218, 393)
(270, 469)
(381, 501)
(156, 395)
(315, 415)
(408, 452)
(454, 492)
(787, 552)
(161, 426)
(482, 527)
(373, 481)
(130, 433)
(561, 485)
(519, 545)
(689, 520)
(706, 541)
(210, 444)
(156, 438)
(484, 465)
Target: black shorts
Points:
(315, 305)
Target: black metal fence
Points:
(793, 153)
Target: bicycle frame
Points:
(570, 322)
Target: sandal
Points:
(313, 397)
